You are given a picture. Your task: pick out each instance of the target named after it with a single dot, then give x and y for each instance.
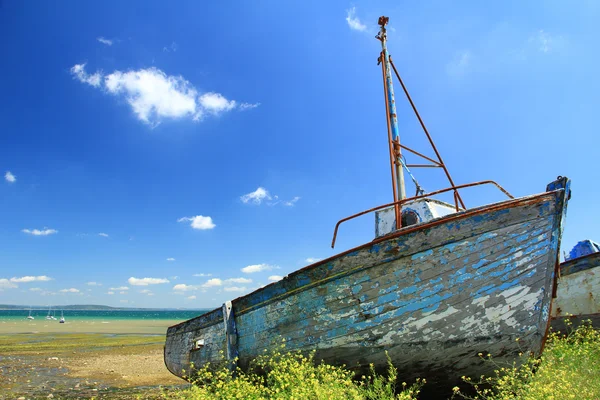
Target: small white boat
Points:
(30, 317)
(62, 318)
(50, 315)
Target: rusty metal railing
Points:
(400, 202)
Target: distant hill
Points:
(70, 307)
(92, 307)
(87, 307)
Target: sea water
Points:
(103, 315)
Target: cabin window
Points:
(409, 217)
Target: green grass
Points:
(293, 376)
(568, 369)
(23, 344)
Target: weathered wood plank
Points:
(312, 303)
(391, 315)
(386, 277)
(231, 336)
(580, 264)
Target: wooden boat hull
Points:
(432, 296)
(577, 296)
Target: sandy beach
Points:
(83, 359)
(114, 326)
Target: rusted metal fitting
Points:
(383, 20)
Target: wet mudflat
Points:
(51, 364)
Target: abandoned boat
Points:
(438, 285)
(577, 296)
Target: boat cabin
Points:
(413, 212)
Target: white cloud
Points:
(234, 289)
(460, 63)
(145, 291)
(201, 275)
(257, 196)
(184, 288)
(6, 284)
(78, 71)
(291, 202)
(238, 280)
(212, 283)
(172, 47)
(261, 195)
(123, 292)
(35, 289)
(38, 232)
(215, 103)
(170, 259)
(107, 42)
(71, 290)
(10, 177)
(23, 279)
(103, 234)
(353, 21)
(174, 277)
(146, 281)
(191, 298)
(119, 288)
(153, 95)
(199, 222)
(250, 269)
(248, 106)
(545, 42)
(93, 284)
(110, 292)
(275, 278)
(311, 260)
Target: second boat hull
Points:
(577, 299)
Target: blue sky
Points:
(179, 155)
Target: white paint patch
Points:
(431, 317)
(480, 301)
(505, 311)
(513, 291)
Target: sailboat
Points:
(50, 315)
(62, 317)
(439, 284)
(30, 317)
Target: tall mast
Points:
(392, 119)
